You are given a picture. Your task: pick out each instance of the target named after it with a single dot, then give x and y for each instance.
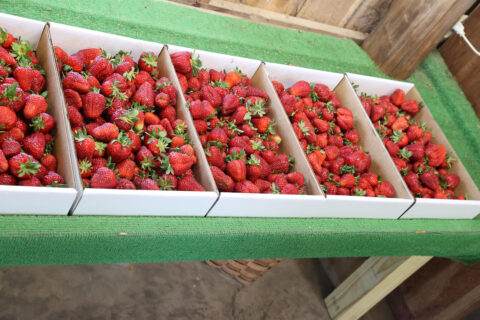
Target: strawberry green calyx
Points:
(313, 95)
(239, 72)
(291, 161)
(196, 64)
(215, 143)
(305, 130)
(85, 165)
(220, 83)
(150, 59)
(257, 145)
(1, 127)
(100, 146)
(37, 123)
(271, 127)
(330, 107)
(180, 128)
(130, 116)
(165, 183)
(404, 172)
(164, 84)
(10, 92)
(162, 141)
(3, 35)
(237, 155)
(20, 50)
(257, 108)
(275, 189)
(105, 54)
(359, 192)
(29, 168)
(110, 165)
(443, 183)
(147, 163)
(49, 146)
(124, 139)
(252, 160)
(397, 136)
(165, 164)
(405, 153)
(129, 76)
(55, 184)
(311, 148)
(233, 127)
(450, 160)
(347, 169)
(81, 135)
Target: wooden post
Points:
(369, 284)
(409, 31)
(463, 62)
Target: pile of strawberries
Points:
(327, 135)
(422, 163)
(239, 138)
(124, 119)
(26, 143)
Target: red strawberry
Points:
(125, 184)
(180, 162)
(400, 124)
(75, 63)
(398, 97)
(201, 110)
(290, 189)
(215, 157)
(88, 55)
(212, 96)
(75, 81)
(24, 76)
(262, 124)
(240, 115)
(414, 132)
(7, 180)
(34, 106)
(147, 61)
(452, 180)
(100, 68)
(7, 57)
(84, 145)
(104, 178)
(256, 92)
(23, 166)
(126, 169)
(8, 118)
(182, 61)
(75, 117)
(410, 106)
(106, 132)
(85, 168)
(322, 91)
(31, 182)
(418, 151)
(144, 95)
(72, 98)
(52, 178)
(246, 186)
(430, 179)
(218, 134)
(413, 184)
(360, 160)
(93, 105)
(11, 147)
(280, 163)
(378, 111)
(189, 183)
(34, 144)
(3, 162)
(288, 102)
(119, 149)
(385, 188)
(436, 154)
(300, 89)
(344, 118)
(230, 103)
(224, 182)
(237, 169)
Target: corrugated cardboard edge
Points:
(290, 144)
(68, 145)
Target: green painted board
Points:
(35, 240)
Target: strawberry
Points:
(262, 124)
(400, 123)
(147, 61)
(182, 61)
(398, 97)
(125, 184)
(106, 132)
(8, 118)
(93, 105)
(344, 118)
(119, 149)
(88, 55)
(84, 145)
(413, 184)
(290, 189)
(300, 89)
(224, 182)
(169, 112)
(417, 151)
(144, 95)
(256, 92)
(410, 106)
(75, 81)
(436, 154)
(3, 162)
(430, 179)
(386, 189)
(11, 147)
(34, 106)
(452, 180)
(100, 68)
(85, 168)
(360, 160)
(103, 178)
(378, 111)
(52, 178)
(280, 163)
(414, 132)
(179, 162)
(237, 169)
(347, 180)
(7, 179)
(75, 117)
(189, 183)
(34, 144)
(230, 103)
(7, 57)
(212, 96)
(74, 62)
(126, 169)
(23, 166)
(30, 182)
(246, 186)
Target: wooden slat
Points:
(236, 10)
(369, 284)
(290, 7)
(334, 12)
(409, 31)
(367, 15)
(463, 62)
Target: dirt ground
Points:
(184, 290)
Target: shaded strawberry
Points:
(104, 178)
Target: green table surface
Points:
(36, 240)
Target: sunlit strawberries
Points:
(422, 163)
(26, 142)
(325, 130)
(124, 118)
(236, 130)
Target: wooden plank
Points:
(289, 7)
(369, 284)
(283, 20)
(463, 62)
(334, 12)
(409, 31)
(367, 15)
(442, 289)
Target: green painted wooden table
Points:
(35, 240)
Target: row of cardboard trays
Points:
(79, 201)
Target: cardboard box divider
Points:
(428, 208)
(133, 202)
(41, 200)
(382, 165)
(231, 204)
